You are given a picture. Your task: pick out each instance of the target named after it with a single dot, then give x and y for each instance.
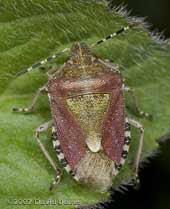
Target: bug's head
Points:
(81, 53)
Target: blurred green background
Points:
(155, 185)
(157, 12)
(154, 192)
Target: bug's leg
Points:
(51, 72)
(139, 126)
(110, 64)
(40, 129)
(136, 106)
(30, 108)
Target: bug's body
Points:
(90, 132)
(88, 112)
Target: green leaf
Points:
(33, 30)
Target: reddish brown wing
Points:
(68, 129)
(113, 125)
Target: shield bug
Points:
(90, 130)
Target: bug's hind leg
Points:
(139, 126)
(136, 106)
(40, 129)
(30, 108)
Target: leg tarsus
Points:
(56, 180)
(30, 108)
(136, 182)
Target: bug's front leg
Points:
(139, 126)
(136, 106)
(30, 108)
(40, 129)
